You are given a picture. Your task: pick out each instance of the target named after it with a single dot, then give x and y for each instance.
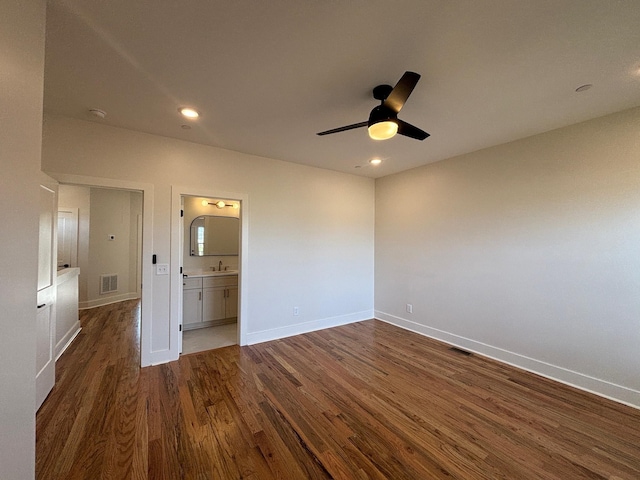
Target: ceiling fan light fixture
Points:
(383, 130)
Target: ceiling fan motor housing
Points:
(381, 114)
(381, 92)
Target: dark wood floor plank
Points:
(361, 401)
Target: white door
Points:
(67, 237)
(181, 298)
(46, 315)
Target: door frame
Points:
(147, 356)
(177, 192)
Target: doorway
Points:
(140, 271)
(210, 267)
(100, 231)
(209, 293)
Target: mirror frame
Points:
(193, 244)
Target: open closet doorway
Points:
(210, 250)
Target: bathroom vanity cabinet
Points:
(209, 300)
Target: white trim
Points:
(177, 192)
(101, 302)
(69, 337)
(578, 380)
(306, 327)
(147, 357)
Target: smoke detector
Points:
(96, 112)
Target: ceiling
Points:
(268, 75)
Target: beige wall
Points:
(111, 214)
(310, 230)
(21, 86)
(527, 252)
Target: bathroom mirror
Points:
(212, 235)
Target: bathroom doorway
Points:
(210, 263)
(210, 235)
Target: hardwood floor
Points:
(366, 400)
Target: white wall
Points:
(310, 230)
(21, 87)
(528, 252)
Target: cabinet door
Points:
(192, 306)
(232, 302)
(213, 304)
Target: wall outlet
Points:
(409, 308)
(296, 311)
(162, 269)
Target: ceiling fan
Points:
(383, 120)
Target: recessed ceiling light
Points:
(584, 88)
(375, 161)
(189, 112)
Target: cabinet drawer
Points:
(191, 282)
(220, 281)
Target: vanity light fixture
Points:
(220, 204)
(188, 112)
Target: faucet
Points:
(220, 266)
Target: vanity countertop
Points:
(209, 273)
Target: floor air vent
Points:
(460, 351)
(108, 283)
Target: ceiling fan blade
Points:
(409, 130)
(344, 129)
(402, 90)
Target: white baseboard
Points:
(578, 380)
(306, 327)
(101, 302)
(65, 341)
